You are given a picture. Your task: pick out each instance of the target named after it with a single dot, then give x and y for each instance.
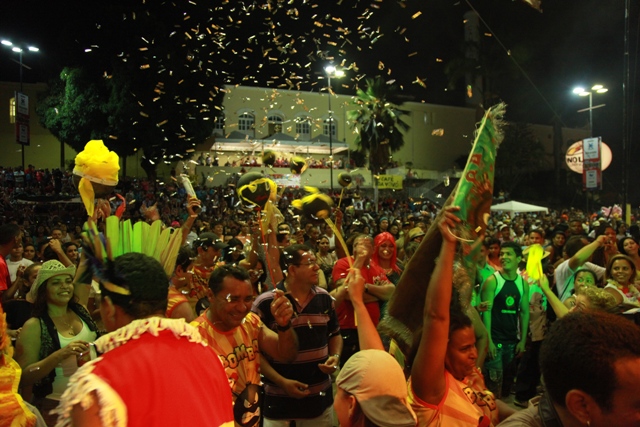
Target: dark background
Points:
(573, 42)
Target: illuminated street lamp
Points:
(19, 50)
(580, 91)
(335, 73)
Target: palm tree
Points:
(379, 125)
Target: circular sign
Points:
(574, 156)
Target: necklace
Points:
(68, 326)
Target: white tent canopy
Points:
(513, 206)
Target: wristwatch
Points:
(283, 328)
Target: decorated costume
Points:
(175, 298)
(142, 358)
(14, 411)
(95, 173)
(238, 351)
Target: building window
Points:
(12, 110)
(275, 123)
(246, 122)
(303, 128)
(330, 124)
(218, 126)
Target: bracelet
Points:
(283, 328)
(366, 288)
(337, 355)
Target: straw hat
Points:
(49, 269)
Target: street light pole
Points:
(330, 136)
(331, 72)
(19, 51)
(582, 92)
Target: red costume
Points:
(149, 369)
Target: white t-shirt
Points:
(13, 267)
(564, 274)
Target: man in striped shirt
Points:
(301, 391)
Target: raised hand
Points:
(281, 308)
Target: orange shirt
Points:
(238, 350)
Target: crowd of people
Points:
(289, 311)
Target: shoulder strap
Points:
(547, 412)
(520, 284)
(499, 282)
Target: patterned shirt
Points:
(238, 350)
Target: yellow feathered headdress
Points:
(96, 172)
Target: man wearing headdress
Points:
(136, 379)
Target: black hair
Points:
(517, 249)
(8, 232)
(145, 278)
(185, 257)
(201, 305)
(621, 244)
(580, 351)
(537, 231)
(292, 255)
(66, 245)
(492, 241)
(217, 277)
(574, 244)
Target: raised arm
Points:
(192, 203)
(283, 345)
(428, 371)
(368, 336)
(585, 253)
(558, 307)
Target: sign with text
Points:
(285, 180)
(390, 182)
(591, 164)
(574, 156)
(22, 118)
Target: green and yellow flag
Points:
(473, 194)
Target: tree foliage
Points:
(378, 123)
(520, 156)
(142, 86)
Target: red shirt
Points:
(5, 278)
(161, 371)
(373, 275)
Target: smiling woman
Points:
(53, 342)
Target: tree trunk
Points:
(375, 189)
(62, 165)
(150, 169)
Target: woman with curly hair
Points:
(620, 275)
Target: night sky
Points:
(285, 44)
